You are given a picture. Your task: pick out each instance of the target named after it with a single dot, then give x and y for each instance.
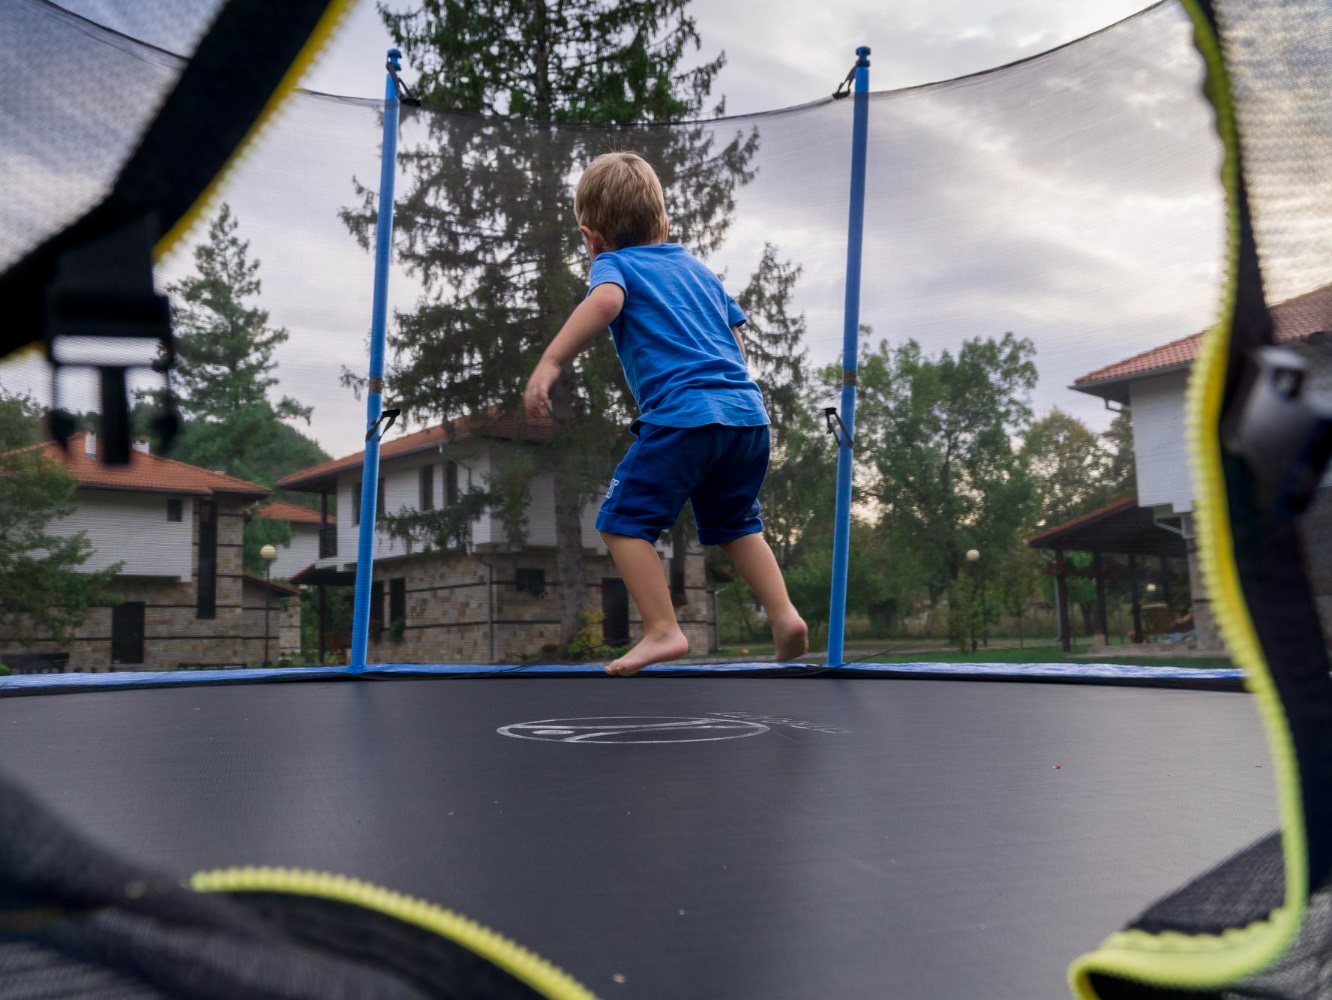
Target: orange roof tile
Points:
(1175, 354)
(145, 472)
(508, 428)
(1294, 320)
(281, 510)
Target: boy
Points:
(703, 431)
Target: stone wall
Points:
(1204, 621)
(469, 608)
(460, 609)
(174, 634)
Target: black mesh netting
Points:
(1070, 201)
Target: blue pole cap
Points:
(863, 52)
(395, 57)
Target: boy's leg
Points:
(639, 565)
(754, 559)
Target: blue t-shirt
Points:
(674, 339)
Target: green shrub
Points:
(589, 641)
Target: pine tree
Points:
(487, 226)
(224, 371)
(224, 348)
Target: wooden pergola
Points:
(1119, 528)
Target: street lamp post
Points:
(268, 553)
(973, 557)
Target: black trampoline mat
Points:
(802, 837)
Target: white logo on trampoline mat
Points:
(633, 729)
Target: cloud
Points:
(1073, 199)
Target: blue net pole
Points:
(365, 551)
(850, 359)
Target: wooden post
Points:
(1133, 597)
(1165, 582)
(1098, 569)
(1061, 599)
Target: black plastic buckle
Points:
(844, 88)
(834, 421)
(103, 290)
(386, 418)
(1281, 428)
(405, 95)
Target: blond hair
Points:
(620, 197)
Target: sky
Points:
(1072, 200)
(780, 53)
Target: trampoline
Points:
(729, 830)
(686, 836)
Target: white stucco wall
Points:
(541, 516)
(132, 528)
(402, 489)
(1160, 445)
(303, 550)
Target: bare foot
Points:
(650, 649)
(791, 637)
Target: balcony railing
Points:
(328, 542)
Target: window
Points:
(397, 602)
(206, 591)
(450, 483)
(356, 500)
(530, 581)
(174, 510)
(127, 633)
(377, 609)
(427, 487)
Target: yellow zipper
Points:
(323, 32)
(513, 958)
(1203, 961)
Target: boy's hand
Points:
(591, 317)
(536, 400)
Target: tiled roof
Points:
(1175, 354)
(1123, 503)
(281, 588)
(508, 428)
(1295, 319)
(145, 472)
(281, 510)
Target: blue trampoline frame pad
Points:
(1087, 673)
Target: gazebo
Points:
(1119, 528)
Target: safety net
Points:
(1034, 239)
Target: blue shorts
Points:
(718, 469)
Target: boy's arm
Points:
(735, 330)
(593, 315)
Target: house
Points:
(1153, 386)
(303, 549)
(483, 601)
(176, 532)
